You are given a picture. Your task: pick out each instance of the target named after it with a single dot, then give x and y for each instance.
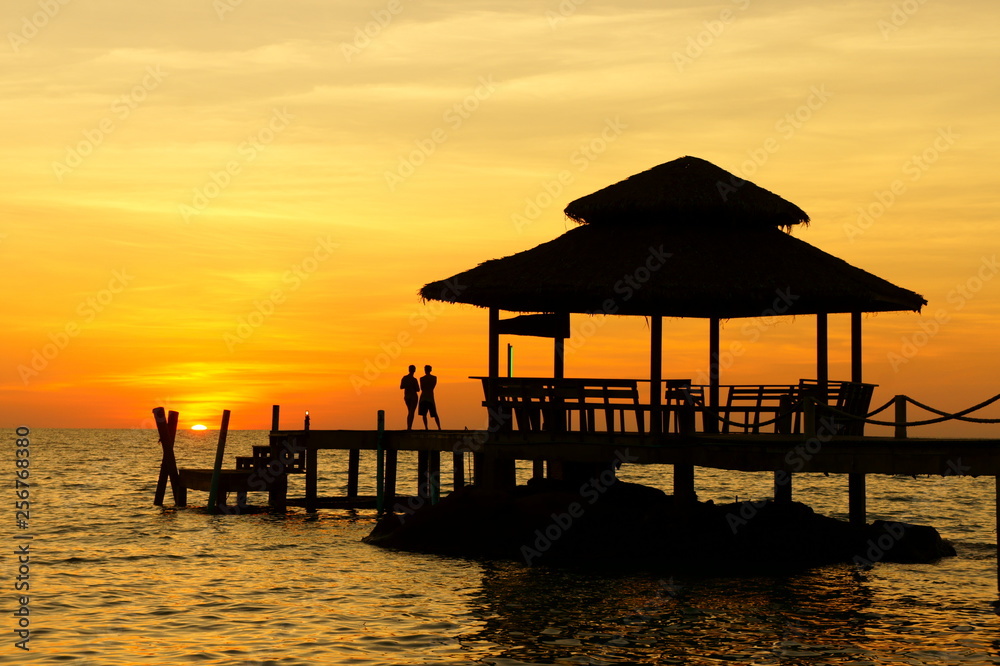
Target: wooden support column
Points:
(712, 417)
(655, 374)
(782, 486)
(559, 358)
(491, 471)
(220, 451)
(277, 492)
(538, 469)
(391, 464)
(434, 475)
(457, 470)
(312, 479)
(423, 475)
(822, 349)
(166, 426)
(353, 471)
(857, 485)
(997, 493)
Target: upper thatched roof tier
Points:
(685, 191)
(674, 271)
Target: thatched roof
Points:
(686, 189)
(659, 244)
(758, 272)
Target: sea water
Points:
(115, 580)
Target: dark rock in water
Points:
(551, 522)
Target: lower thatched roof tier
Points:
(674, 271)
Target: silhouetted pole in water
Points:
(167, 429)
(380, 464)
(220, 452)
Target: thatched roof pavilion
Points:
(683, 239)
(696, 241)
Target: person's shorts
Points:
(428, 408)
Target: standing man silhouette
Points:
(410, 388)
(427, 405)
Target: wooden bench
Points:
(540, 403)
(749, 405)
(852, 397)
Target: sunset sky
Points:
(230, 204)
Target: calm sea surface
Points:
(115, 580)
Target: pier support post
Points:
(900, 417)
(684, 482)
(538, 469)
(856, 499)
(783, 486)
(655, 374)
(389, 492)
(457, 470)
(423, 475)
(220, 452)
(353, 467)
(167, 428)
(312, 479)
(997, 493)
(434, 475)
(277, 492)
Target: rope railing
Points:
(867, 418)
(944, 416)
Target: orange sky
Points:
(229, 204)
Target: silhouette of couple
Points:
(425, 401)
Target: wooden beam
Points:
(711, 422)
(856, 369)
(353, 471)
(220, 452)
(822, 348)
(856, 499)
(655, 374)
(166, 426)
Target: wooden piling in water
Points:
(353, 470)
(458, 469)
(277, 492)
(434, 475)
(220, 452)
(167, 428)
(423, 475)
(380, 463)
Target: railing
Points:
(839, 407)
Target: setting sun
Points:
(199, 427)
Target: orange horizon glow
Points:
(253, 231)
